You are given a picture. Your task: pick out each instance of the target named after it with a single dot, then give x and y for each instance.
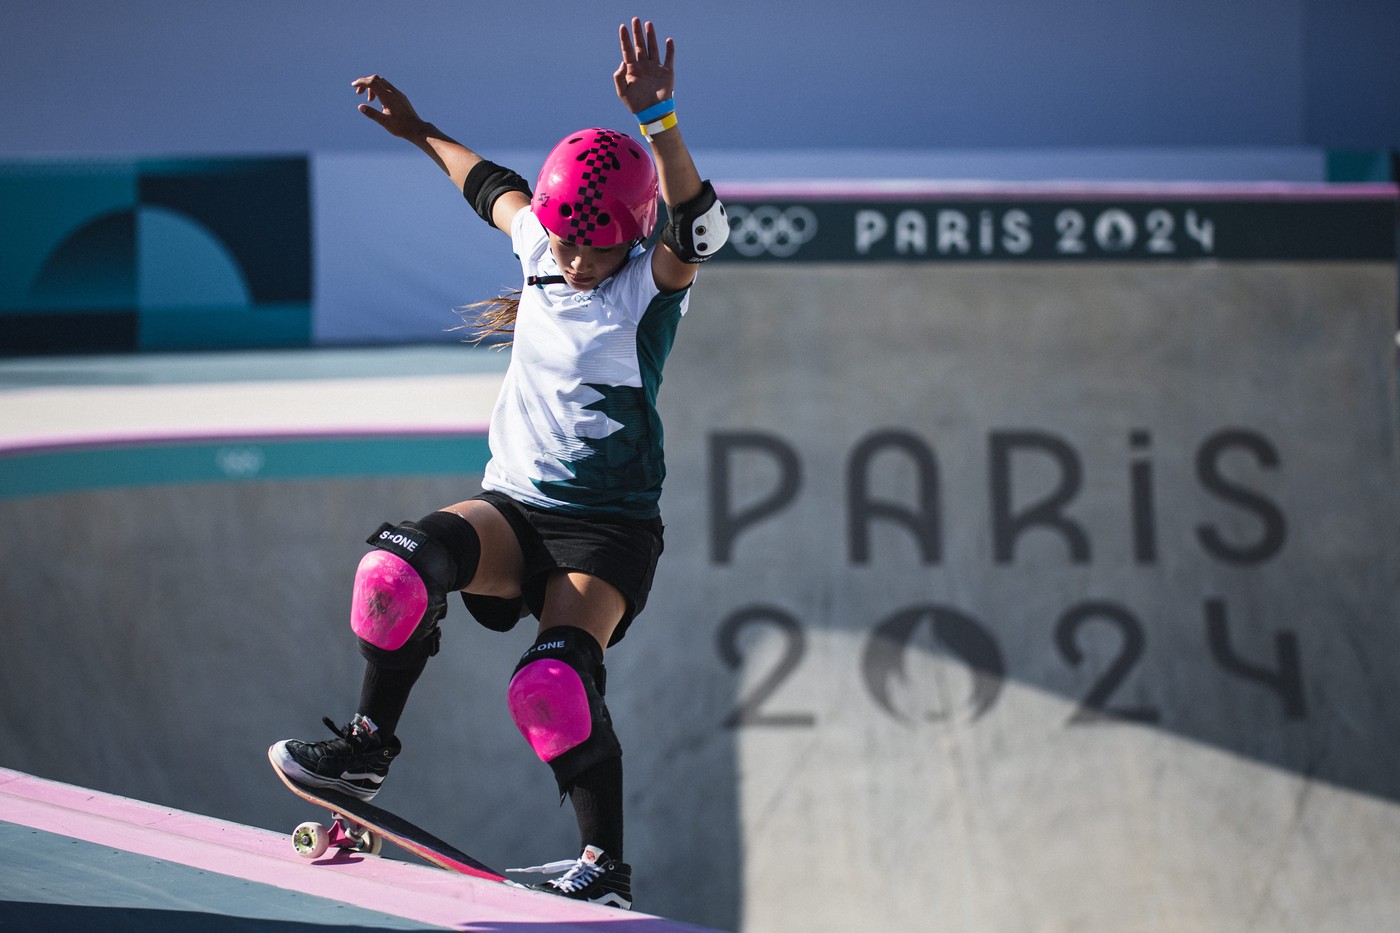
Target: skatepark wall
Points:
(1033, 563)
(1049, 548)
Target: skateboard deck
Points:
(353, 816)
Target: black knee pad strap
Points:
(414, 653)
(443, 547)
(494, 612)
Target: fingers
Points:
(641, 45)
(629, 57)
(374, 113)
(373, 86)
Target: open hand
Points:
(394, 113)
(644, 78)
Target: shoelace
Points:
(577, 874)
(343, 731)
(356, 731)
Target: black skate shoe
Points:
(592, 877)
(354, 763)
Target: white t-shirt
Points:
(575, 427)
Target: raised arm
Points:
(646, 82)
(397, 116)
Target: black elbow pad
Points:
(486, 182)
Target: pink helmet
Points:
(597, 188)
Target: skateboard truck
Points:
(312, 840)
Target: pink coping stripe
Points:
(416, 892)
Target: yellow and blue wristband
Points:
(658, 117)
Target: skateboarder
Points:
(568, 526)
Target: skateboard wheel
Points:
(311, 840)
(366, 841)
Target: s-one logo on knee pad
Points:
(399, 540)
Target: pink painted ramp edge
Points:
(420, 893)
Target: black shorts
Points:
(622, 551)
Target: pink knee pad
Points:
(550, 707)
(388, 601)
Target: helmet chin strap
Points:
(543, 280)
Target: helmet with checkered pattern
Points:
(597, 188)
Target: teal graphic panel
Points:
(178, 254)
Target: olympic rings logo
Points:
(766, 229)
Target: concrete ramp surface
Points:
(1050, 545)
(74, 858)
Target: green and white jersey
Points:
(575, 427)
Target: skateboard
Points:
(362, 827)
